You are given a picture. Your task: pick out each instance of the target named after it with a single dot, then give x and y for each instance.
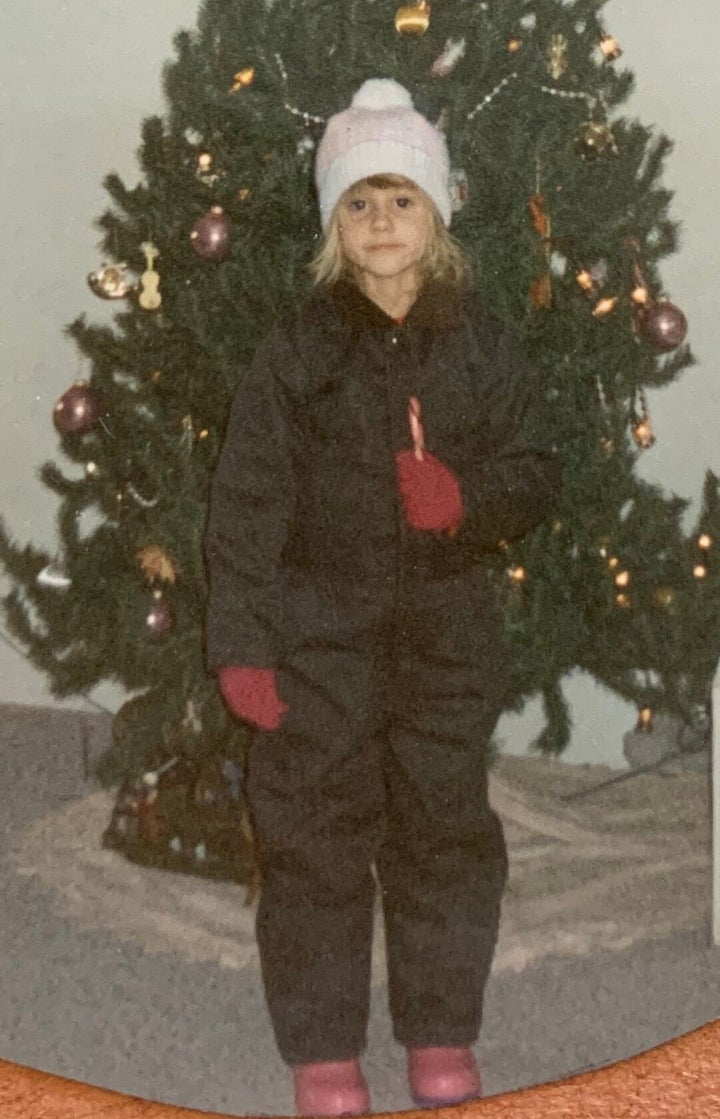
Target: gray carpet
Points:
(81, 1003)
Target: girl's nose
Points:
(380, 215)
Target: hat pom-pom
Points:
(382, 93)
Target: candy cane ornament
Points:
(416, 428)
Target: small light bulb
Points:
(645, 721)
(604, 307)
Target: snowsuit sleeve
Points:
(516, 476)
(252, 499)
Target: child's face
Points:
(384, 231)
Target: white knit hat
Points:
(381, 133)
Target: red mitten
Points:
(251, 694)
(430, 492)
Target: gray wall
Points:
(78, 79)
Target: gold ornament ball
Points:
(623, 601)
(700, 571)
(623, 579)
(704, 541)
(414, 19)
(664, 596)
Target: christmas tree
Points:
(559, 204)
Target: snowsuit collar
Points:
(438, 307)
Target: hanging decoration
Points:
(413, 20)
(138, 498)
(662, 325)
(160, 619)
(704, 543)
(596, 140)
(210, 235)
(111, 282)
(590, 280)
(53, 575)
(645, 722)
(77, 411)
(459, 189)
(205, 170)
(150, 297)
(157, 565)
(490, 97)
(448, 59)
(605, 306)
(610, 47)
(541, 287)
(659, 323)
(557, 55)
(642, 430)
(243, 79)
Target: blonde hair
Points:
(444, 260)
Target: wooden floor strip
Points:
(680, 1080)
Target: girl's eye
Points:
(404, 202)
(357, 204)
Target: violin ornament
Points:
(149, 297)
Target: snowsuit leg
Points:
(380, 759)
(443, 862)
(316, 796)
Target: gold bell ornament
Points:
(414, 19)
(610, 47)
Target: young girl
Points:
(382, 444)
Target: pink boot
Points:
(441, 1075)
(331, 1088)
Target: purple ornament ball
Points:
(77, 411)
(210, 236)
(161, 619)
(663, 326)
